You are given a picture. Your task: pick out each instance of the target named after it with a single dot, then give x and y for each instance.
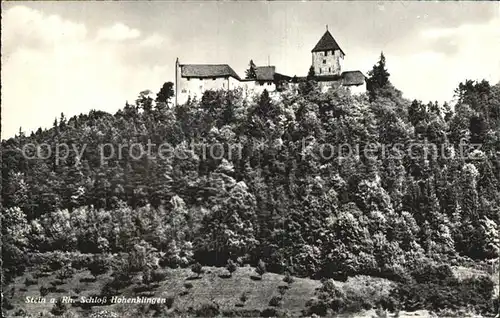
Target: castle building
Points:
(192, 80)
(327, 56)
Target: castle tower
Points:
(327, 56)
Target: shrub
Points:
(188, 285)
(159, 309)
(288, 278)
(380, 313)
(142, 288)
(243, 297)
(21, 313)
(231, 267)
(169, 301)
(108, 290)
(80, 261)
(59, 308)
(475, 292)
(30, 281)
(270, 312)
(98, 266)
(368, 291)
(44, 291)
(58, 260)
(282, 289)
(197, 269)
(332, 299)
(208, 310)
(119, 281)
(261, 268)
(432, 273)
(275, 301)
(65, 272)
(6, 304)
(146, 276)
(158, 275)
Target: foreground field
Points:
(213, 293)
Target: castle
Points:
(191, 80)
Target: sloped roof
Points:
(265, 73)
(327, 42)
(350, 78)
(207, 70)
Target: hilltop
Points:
(324, 186)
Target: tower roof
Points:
(327, 42)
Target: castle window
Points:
(324, 61)
(326, 53)
(320, 70)
(329, 69)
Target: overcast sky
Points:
(75, 56)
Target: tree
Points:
(378, 77)
(145, 101)
(250, 72)
(311, 73)
(307, 87)
(166, 93)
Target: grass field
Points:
(188, 291)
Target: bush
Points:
(243, 297)
(282, 289)
(120, 280)
(30, 281)
(332, 299)
(44, 291)
(275, 301)
(158, 275)
(231, 267)
(170, 301)
(65, 272)
(261, 268)
(81, 261)
(59, 308)
(98, 266)
(146, 276)
(288, 278)
(188, 285)
(270, 312)
(21, 313)
(368, 291)
(197, 269)
(432, 273)
(208, 310)
(475, 292)
(58, 260)
(6, 304)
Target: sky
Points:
(72, 57)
